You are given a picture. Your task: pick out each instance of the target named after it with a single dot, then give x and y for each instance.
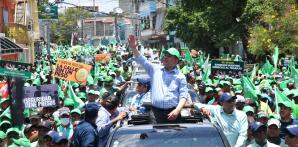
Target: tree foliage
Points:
(67, 24)
(264, 24)
(205, 23)
(278, 27)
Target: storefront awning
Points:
(7, 46)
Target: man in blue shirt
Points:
(85, 133)
(107, 117)
(285, 117)
(232, 121)
(169, 86)
(136, 102)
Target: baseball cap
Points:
(5, 122)
(51, 134)
(68, 102)
(94, 92)
(2, 135)
(144, 81)
(108, 79)
(256, 126)
(91, 108)
(173, 52)
(65, 111)
(12, 130)
(292, 129)
(76, 111)
(59, 138)
(46, 124)
(208, 89)
(3, 100)
(24, 142)
(274, 121)
(226, 97)
(240, 98)
(248, 109)
(287, 104)
(261, 114)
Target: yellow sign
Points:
(103, 58)
(72, 71)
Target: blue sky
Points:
(104, 5)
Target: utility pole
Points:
(94, 22)
(116, 28)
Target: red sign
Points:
(10, 57)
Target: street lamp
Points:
(117, 12)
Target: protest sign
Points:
(103, 58)
(15, 73)
(41, 96)
(224, 67)
(72, 71)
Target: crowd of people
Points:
(262, 114)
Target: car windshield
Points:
(169, 138)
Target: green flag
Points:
(275, 58)
(281, 98)
(267, 68)
(207, 70)
(78, 103)
(162, 52)
(188, 57)
(249, 89)
(292, 62)
(253, 73)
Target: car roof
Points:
(133, 129)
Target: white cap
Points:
(274, 121)
(240, 98)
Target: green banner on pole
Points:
(15, 73)
(48, 12)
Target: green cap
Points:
(225, 82)
(248, 109)
(3, 100)
(236, 81)
(76, 111)
(93, 92)
(108, 79)
(217, 89)
(286, 104)
(262, 114)
(2, 135)
(7, 115)
(173, 52)
(103, 91)
(5, 122)
(75, 85)
(24, 142)
(208, 89)
(68, 102)
(82, 95)
(27, 84)
(11, 130)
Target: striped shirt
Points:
(168, 87)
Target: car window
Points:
(172, 138)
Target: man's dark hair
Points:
(111, 103)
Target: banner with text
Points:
(103, 58)
(41, 96)
(15, 65)
(72, 71)
(15, 73)
(223, 67)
